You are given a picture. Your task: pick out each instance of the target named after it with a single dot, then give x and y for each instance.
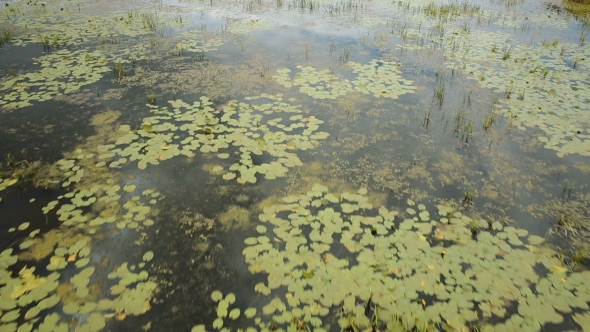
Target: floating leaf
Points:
(229, 176)
(535, 240)
(26, 244)
(10, 316)
(218, 323)
(199, 328)
(234, 314)
(148, 256)
(250, 312)
(82, 262)
(216, 296)
(71, 308)
(230, 298)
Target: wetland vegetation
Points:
(294, 165)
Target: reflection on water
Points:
(294, 165)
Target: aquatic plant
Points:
(60, 72)
(543, 106)
(489, 120)
(345, 55)
(149, 20)
(119, 70)
(451, 10)
(6, 36)
(193, 42)
(26, 297)
(381, 78)
(468, 130)
(247, 26)
(151, 98)
(198, 127)
(399, 273)
(319, 84)
(440, 88)
(263, 69)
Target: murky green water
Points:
(294, 165)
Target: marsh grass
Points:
(343, 6)
(24, 171)
(474, 229)
(439, 94)
(436, 33)
(451, 10)
(509, 91)
(489, 120)
(440, 88)
(427, 118)
(571, 218)
(467, 201)
(580, 256)
(151, 97)
(119, 70)
(263, 70)
(467, 131)
(575, 63)
(345, 55)
(6, 35)
(508, 3)
(149, 20)
(305, 5)
(506, 53)
(331, 47)
(200, 56)
(46, 44)
(459, 121)
(583, 2)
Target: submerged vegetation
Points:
(215, 174)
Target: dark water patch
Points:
(24, 205)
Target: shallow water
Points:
(294, 165)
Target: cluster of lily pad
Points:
(93, 197)
(59, 73)
(379, 78)
(541, 84)
(320, 84)
(30, 299)
(24, 299)
(223, 311)
(194, 44)
(262, 135)
(454, 12)
(247, 26)
(96, 204)
(65, 71)
(329, 255)
(371, 21)
(5, 183)
(58, 24)
(540, 80)
(518, 19)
